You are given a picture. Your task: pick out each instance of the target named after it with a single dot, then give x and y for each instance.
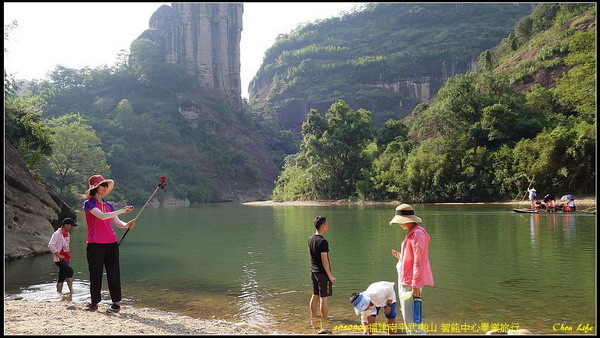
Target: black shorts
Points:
(321, 284)
(64, 271)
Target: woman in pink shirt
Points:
(102, 246)
(414, 270)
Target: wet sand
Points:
(22, 317)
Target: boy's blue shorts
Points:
(390, 315)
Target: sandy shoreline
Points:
(582, 203)
(22, 317)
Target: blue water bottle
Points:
(418, 307)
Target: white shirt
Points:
(57, 243)
(379, 292)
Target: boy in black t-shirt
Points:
(320, 268)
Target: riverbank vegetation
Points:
(488, 135)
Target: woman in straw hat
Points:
(414, 270)
(102, 246)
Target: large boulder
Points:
(32, 209)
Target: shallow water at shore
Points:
(249, 264)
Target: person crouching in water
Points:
(368, 303)
(61, 254)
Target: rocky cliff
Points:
(399, 95)
(204, 39)
(32, 210)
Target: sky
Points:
(78, 35)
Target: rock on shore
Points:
(23, 317)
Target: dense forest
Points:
(525, 117)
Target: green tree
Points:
(332, 155)
(335, 152)
(388, 171)
(506, 179)
(144, 59)
(485, 60)
(123, 115)
(514, 45)
(543, 103)
(497, 121)
(429, 168)
(77, 155)
(581, 152)
(543, 16)
(524, 28)
(24, 127)
(577, 89)
(393, 130)
(294, 183)
(561, 159)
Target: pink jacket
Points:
(414, 268)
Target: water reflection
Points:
(534, 229)
(555, 223)
(569, 225)
(251, 309)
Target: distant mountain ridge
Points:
(386, 58)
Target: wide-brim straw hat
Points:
(405, 214)
(95, 181)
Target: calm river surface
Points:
(492, 267)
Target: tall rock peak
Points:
(204, 39)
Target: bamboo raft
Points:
(546, 212)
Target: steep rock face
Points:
(424, 88)
(400, 95)
(31, 209)
(204, 39)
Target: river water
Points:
(493, 268)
